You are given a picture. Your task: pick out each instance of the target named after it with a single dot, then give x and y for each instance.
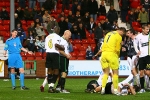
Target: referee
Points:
(14, 46)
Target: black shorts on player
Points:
(144, 63)
(52, 60)
(64, 64)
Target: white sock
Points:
(51, 85)
(146, 81)
(44, 82)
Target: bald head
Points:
(67, 35)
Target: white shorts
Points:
(132, 61)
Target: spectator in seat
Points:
(93, 9)
(74, 31)
(112, 15)
(41, 44)
(91, 25)
(107, 25)
(134, 4)
(34, 11)
(124, 5)
(63, 26)
(89, 53)
(32, 29)
(77, 16)
(27, 14)
(41, 2)
(60, 15)
(136, 13)
(102, 9)
(4, 14)
(86, 19)
(32, 3)
(70, 17)
(84, 6)
(38, 16)
(21, 34)
(37, 40)
(131, 18)
(17, 20)
(39, 30)
(81, 31)
(69, 24)
(49, 5)
(65, 4)
(31, 41)
(45, 17)
(143, 17)
(115, 26)
(22, 3)
(80, 10)
(20, 13)
(98, 33)
(51, 24)
(42, 11)
(74, 7)
(146, 5)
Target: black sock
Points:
(149, 78)
(63, 81)
(59, 83)
(142, 80)
(54, 78)
(49, 78)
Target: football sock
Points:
(115, 81)
(13, 79)
(142, 82)
(59, 83)
(146, 80)
(137, 78)
(49, 78)
(63, 81)
(22, 79)
(45, 81)
(54, 78)
(104, 81)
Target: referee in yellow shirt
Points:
(110, 56)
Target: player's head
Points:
(136, 88)
(14, 33)
(122, 31)
(67, 35)
(56, 29)
(130, 33)
(145, 29)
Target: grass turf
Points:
(76, 87)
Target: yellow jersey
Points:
(112, 42)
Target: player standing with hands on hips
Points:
(13, 46)
(110, 57)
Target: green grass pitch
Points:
(76, 87)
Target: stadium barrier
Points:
(77, 68)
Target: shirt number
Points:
(108, 38)
(50, 44)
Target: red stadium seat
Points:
(81, 54)
(58, 11)
(29, 55)
(6, 28)
(73, 54)
(23, 22)
(78, 46)
(38, 58)
(1, 22)
(85, 45)
(81, 58)
(2, 33)
(2, 4)
(24, 58)
(102, 18)
(136, 24)
(71, 41)
(38, 54)
(92, 41)
(59, 6)
(88, 35)
(30, 58)
(75, 48)
(25, 28)
(6, 22)
(53, 11)
(44, 55)
(73, 58)
(77, 41)
(29, 22)
(93, 36)
(66, 11)
(7, 4)
(82, 48)
(85, 41)
(23, 54)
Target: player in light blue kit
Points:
(14, 47)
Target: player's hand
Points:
(30, 52)
(68, 56)
(138, 53)
(4, 53)
(94, 57)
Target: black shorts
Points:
(64, 64)
(90, 86)
(144, 63)
(52, 60)
(108, 88)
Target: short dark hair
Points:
(56, 29)
(13, 30)
(122, 29)
(144, 26)
(132, 31)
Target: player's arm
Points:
(25, 50)
(135, 44)
(132, 90)
(59, 47)
(118, 46)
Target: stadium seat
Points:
(38, 58)
(23, 54)
(88, 35)
(81, 54)
(92, 41)
(7, 35)
(29, 55)
(75, 48)
(81, 58)
(59, 6)
(136, 24)
(58, 11)
(7, 4)
(29, 22)
(139, 29)
(2, 4)
(6, 28)
(101, 18)
(85, 41)
(53, 11)
(73, 54)
(44, 55)
(6, 22)
(24, 58)
(23, 22)
(76, 41)
(73, 58)
(2, 33)
(1, 22)
(82, 48)
(66, 11)
(25, 28)
(71, 41)
(85, 45)
(78, 46)
(30, 58)
(38, 54)
(93, 36)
